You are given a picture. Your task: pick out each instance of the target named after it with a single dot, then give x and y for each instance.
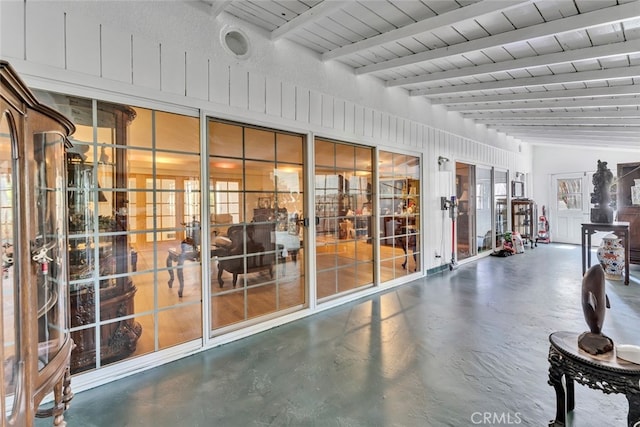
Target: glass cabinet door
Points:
(9, 296)
(47, 243)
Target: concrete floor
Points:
(439, 351)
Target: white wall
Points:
(549, 160)
(168, 55)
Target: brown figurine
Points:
(594, 305)
(602, 212)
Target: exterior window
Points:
(225, 199)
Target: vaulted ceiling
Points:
(561, 72)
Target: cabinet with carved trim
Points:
(628, 205)
(36, 344)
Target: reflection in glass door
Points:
(500, 206)
(399, 208)
(256, 206)
(9, 297)
(484, 223)
(344, 250)
(465, 222)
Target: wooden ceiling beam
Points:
(544, 105)
(610, 15)
(564, 57)
(562, 121)
(564, 78)
(527, 115)
(315, 13)
(426, 25)
(608, 91)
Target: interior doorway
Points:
(570, 207)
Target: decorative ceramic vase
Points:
(635, 192)
(611, 257)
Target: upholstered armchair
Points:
(258, 239)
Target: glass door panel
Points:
(10, 304)
(256, 196)
(465, 222)
(133, 182)
(344, 253)
(484, 207)
(399, 208)
(48, 245)
(500, 206)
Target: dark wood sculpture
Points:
(601, 196)
(594, 305)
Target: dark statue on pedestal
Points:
(601, 196)
(594, 305)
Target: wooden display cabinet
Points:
(36, 345)
(626, 210)
(524, 215)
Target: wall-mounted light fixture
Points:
(444, 164)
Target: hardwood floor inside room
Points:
(180, 319)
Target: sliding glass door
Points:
(484, 209)
(466, 220)
(399, 208)
(255, 199)
(344, 249)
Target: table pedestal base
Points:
(608, 374)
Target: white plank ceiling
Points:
(563, 72)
